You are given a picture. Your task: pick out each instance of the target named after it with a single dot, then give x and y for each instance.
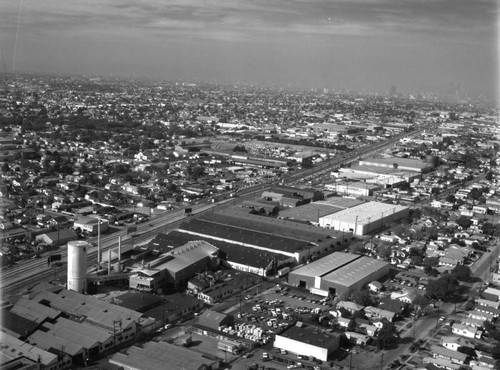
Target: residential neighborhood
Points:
(276, 228)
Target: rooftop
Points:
(310, 334)
(366, 213)
(155, 355)
(327, 264)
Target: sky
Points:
(362, 45)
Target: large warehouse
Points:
(364, 218)
(308, 340)
(338, 273)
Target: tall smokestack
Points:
(109, 261)
(98, 243)
(119, 254)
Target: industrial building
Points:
(16, 354)
(162, 355)
(90, 225)
(351, 188)
(76, 326)
(365, 218)
(266, 234)
(236, 256)
(338, 274)
(406, 164)
(309, 341)
(383, 176)
(174, 268)
(56, 238)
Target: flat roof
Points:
(365, 213)
(309, 212)
(16, 323)
(340, 202)
(33, 310)
(240, 235)
(326, 265)
(356, 270)
(235, 253)
(310, 334)
(156, 355)
(239, 217)
(93, 309)
(401, 162)
(50, 342)
(13, 348)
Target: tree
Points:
(445, 288)
(462, 273)
(420, 301)
(362, 297)
(495, 351)
(384, 251)
(469, 351)
(387, 336)
(464, 222)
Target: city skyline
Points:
(364, 45)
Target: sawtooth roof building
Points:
(338, 274)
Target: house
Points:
(441, 363)
(350, 306)
(344, 322)
(465, 331)
(453, 343)
(370, 330)
(375, 286)
(357, 338)
(379, 313)
(448, 354)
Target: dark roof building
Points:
(162, 355)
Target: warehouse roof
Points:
(33, 310)
(243, 236)
(326, 265)
(310, 334)
(50, 342)
(16, 324)
(356, 270)
(81, 333)
(340, 202)
(400, 162)
(309, 212)
(90, 308)
(12, 348)
(365, 213)
(155, 355)
(234, 252)
(238, 217)
(186, 255)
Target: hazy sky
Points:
(353, 44)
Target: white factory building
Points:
(308, 340)
(364, 218)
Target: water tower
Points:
(77, 266)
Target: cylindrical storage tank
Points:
(77, 266)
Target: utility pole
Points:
(382, 359)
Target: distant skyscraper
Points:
(394, 90)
